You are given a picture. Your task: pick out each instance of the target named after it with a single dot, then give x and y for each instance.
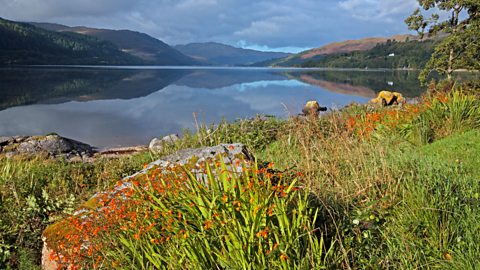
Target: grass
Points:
(394, 188)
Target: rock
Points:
(230, 152)
(5, 140)
(191, 159)
(387, 98)
(157, 145)
(52, 145)
(312, 108)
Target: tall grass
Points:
(36, 192)
(445, 114)
(223, 219)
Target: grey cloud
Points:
(265, 23)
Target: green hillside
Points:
(22, 43)
(393, 54)
(153, 51)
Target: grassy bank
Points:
(392, 187)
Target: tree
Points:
(461, 46)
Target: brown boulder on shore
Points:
(312, 108)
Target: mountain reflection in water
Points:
(117, 107)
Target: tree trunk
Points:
(450, 65)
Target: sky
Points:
(270, 25)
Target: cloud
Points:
(374, 10)
(265, 27)
(262, 23)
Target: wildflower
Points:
(208, 225)
(263, 233)
(283, 257)
(447, 256)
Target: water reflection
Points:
(113, 107)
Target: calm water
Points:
(108, 107)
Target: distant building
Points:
(391, 55)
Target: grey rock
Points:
(157, 145)
(52, 145)
(5, 140)
(172, 138)
(229, 152)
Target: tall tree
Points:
(461, 46)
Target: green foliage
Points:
(460, 49)
(256, 133)
(235, 221)
(436, 221)
(22, 43)
(409, 54)
(35, 193)
(447, 114)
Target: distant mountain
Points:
(337, 48)
(22, 43)
(150, 49)
(224, 55)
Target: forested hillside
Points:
(392, 54)
(22, 43)
(151, 50)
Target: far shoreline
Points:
(153, 67)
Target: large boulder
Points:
(191, 159)
(387, 98)
(51, 145)
(313, 108)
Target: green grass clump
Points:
(220, 219)
(36, 192)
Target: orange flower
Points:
(283, 257)
(208, 225)
(263, 233)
